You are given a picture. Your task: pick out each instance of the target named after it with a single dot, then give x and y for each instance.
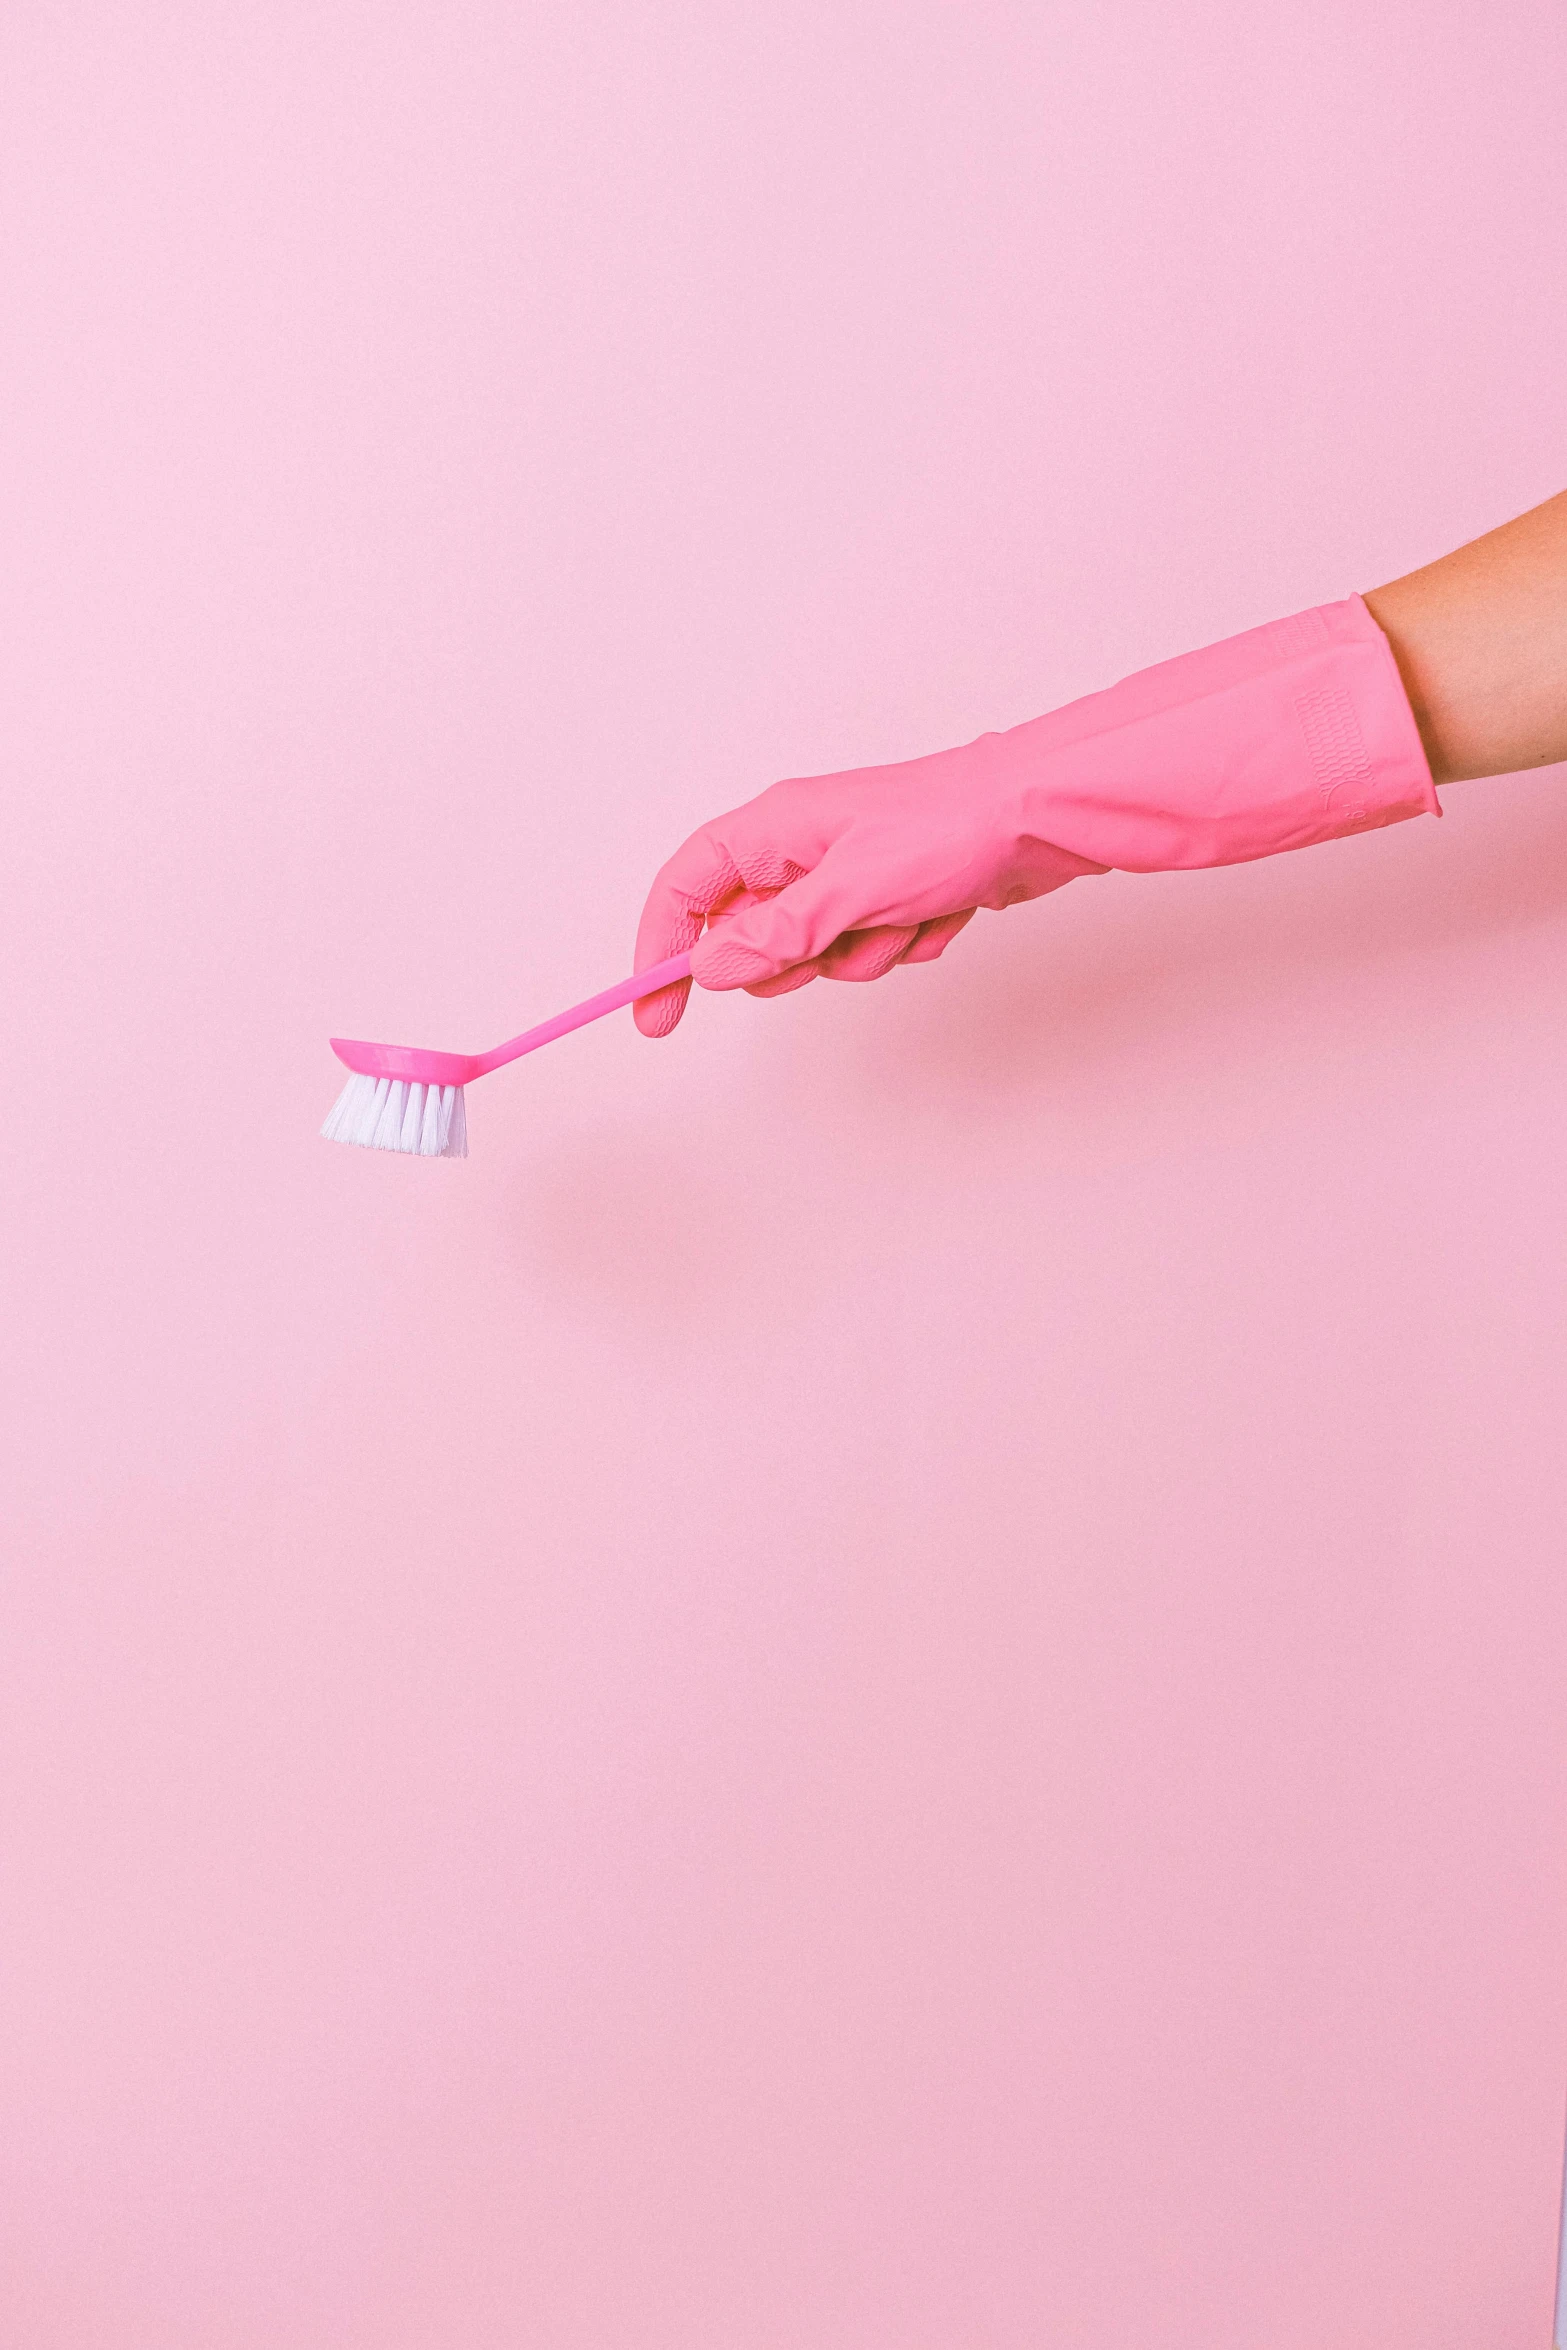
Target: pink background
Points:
(892, 1681)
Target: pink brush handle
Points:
(628, 992)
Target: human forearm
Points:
(1481, 643)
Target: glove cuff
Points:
(1286, 735)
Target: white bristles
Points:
(430, 1131)
(392, 1114)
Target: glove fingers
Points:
(798, 975)
(933, 938)
(700, 874)
(705, 877)
(796, 926)
(868, 954)
(657, 1014)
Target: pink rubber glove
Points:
(1286, 735)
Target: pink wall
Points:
(892, 1681)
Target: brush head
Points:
(400, 1114)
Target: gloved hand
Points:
(1286, 735)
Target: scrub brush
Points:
(402, 1099)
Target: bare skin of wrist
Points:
(1480, 638)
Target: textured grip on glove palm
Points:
(1284, 736)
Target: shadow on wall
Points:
(636, 1224)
